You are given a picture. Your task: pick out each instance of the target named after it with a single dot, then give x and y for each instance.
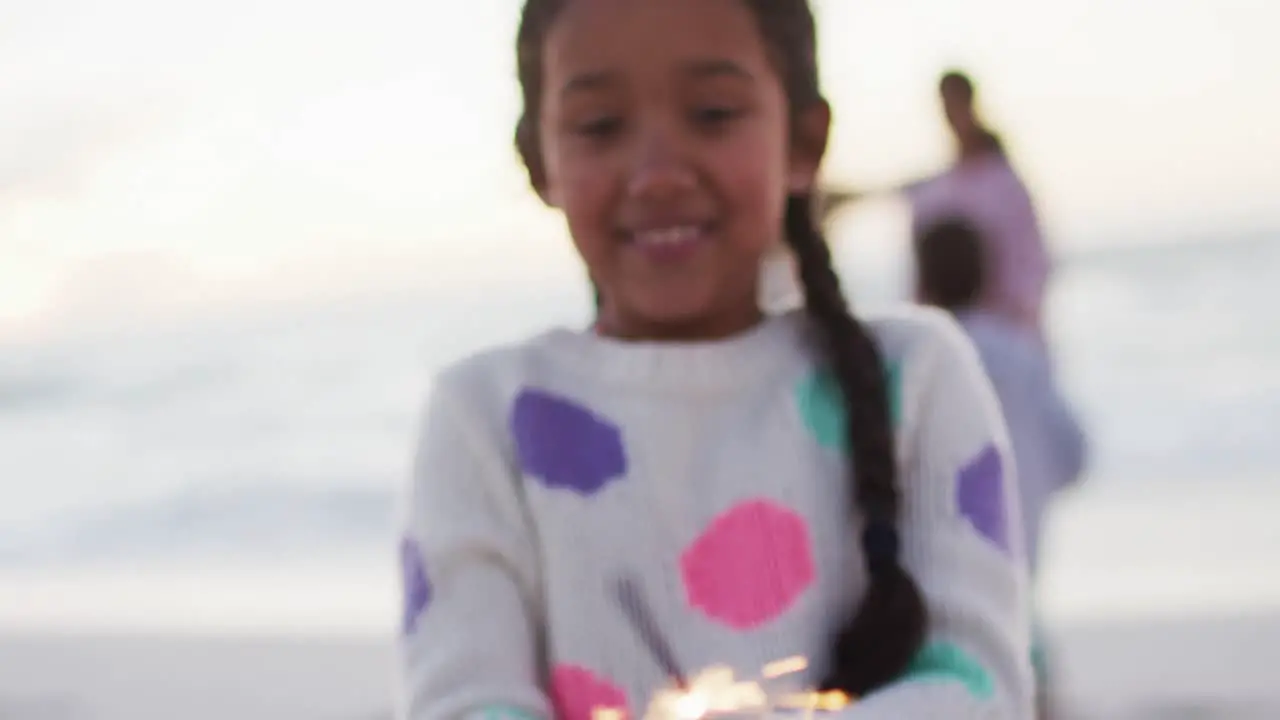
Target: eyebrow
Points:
(717, 68)
(588, 81)
(699, 69)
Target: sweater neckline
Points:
(722, 363)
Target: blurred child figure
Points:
(1049, 447)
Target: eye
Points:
(714, 116)
(600, 128)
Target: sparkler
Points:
(714, 692)
(637, 611)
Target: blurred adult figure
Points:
(982, 188)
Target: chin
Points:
(672, 304)
(679, 322)
(700, 321)
(662, 317)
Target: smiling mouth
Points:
(673, 235)
(670, 238)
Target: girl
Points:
(762, 486)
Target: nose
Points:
(660, 166)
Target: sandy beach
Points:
(1201, 669)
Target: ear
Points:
(810, 132)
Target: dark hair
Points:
(949, 264)
(878, 642)
(957, 80)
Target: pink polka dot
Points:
(750, 565)
(576, 692)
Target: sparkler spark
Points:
(715, 692)
(787, 666)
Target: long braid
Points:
(878, 642)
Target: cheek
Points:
(752, 179)
(583, 188)
(585, 198)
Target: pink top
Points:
(989, 194)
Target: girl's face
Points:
(666, 141)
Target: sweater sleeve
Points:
(468, 642)
(961, 539)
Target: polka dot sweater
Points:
(711, 479)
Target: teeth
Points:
(668, 236)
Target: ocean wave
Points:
(22, 393)
(257, 520)
(81, 385)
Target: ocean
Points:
(241, 474)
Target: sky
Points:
(159, 156)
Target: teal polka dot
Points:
(507, 712)
(821, 406)
(1039, 663)
(945, 661)
(893, 375)
(818, 397)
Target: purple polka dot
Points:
(565, 445)
(416, 587)
(980, 489)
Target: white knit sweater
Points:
(712, 477)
